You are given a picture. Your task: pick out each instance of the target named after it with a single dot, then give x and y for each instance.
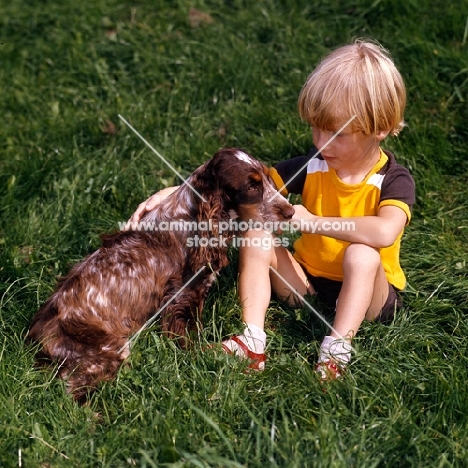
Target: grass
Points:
(70, 169)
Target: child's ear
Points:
(381, 135)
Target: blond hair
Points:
(360, 80)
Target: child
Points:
(356, 203)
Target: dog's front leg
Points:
(177, 321)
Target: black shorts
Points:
(328, 290)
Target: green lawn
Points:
(70, 169)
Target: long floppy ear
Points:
(213, 206)
(206, 181)
(210, 211)
(211, 247)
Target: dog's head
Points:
(244, 185)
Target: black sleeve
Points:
(294, 171)
(398, 185)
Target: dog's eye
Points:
(253, 188)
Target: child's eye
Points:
(343, 134)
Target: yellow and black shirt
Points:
(324, 194)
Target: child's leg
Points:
(362, 296)
(256, 282)
(364, 290)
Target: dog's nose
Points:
(288, 211)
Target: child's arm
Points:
(151, 203)
(375, 231)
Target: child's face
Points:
(347, 150)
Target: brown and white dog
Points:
(85, 326)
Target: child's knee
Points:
(361, 256)
(255, 244)
(254, 239)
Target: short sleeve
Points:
(398, 189)
(293, 172)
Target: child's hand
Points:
(301, 213)
(303, 219)
(151, 203)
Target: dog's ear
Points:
(212, 207)
(203, 179)
(222, 165)
(208, 181)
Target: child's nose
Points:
(321, 138)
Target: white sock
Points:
(337, 349)
(253, 337)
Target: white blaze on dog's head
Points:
(243, 157)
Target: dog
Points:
(144, 273)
